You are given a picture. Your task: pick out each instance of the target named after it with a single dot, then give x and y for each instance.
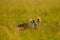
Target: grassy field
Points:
(14, 12)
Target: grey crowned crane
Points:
(32, 23)
(38, 22)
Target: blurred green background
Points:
(14, 12)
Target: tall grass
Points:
(14, 12)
